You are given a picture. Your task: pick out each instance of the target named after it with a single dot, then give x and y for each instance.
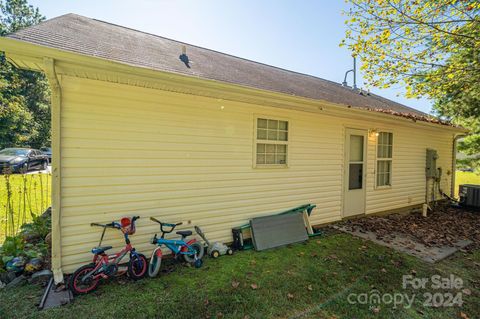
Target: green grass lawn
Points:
(30, 194)
(312, 280)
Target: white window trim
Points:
(256, 141)
(383, 159)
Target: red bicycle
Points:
(87, 278)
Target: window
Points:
(271, 142)
(356, 162)
(384, 159)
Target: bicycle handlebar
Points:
(155, 220)
(166, 224)
(109, 225)
(114, 224)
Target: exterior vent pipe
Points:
(354, 70)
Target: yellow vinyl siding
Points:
(408, 172)
(128, 150)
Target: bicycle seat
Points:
(184, 233)
(100, 250)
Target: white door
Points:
(355, 172)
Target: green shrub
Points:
(12, 247)
(28, 243)
(37, 229)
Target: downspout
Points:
(454, 162)
(56, 100)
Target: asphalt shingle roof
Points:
(96, 38)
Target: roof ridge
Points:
(211, 50)
(46, 20)
(244, 59)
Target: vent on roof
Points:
(184, 57)
(354, 70)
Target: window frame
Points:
(256, 141)
(383, 159)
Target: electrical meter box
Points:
(431, 165)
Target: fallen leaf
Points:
(246, 317)
(254, 286)
(219, 315)
(445, 226)
(301, 254)
(206, 302)
(309, 287)
(467, 291)
(319, 241)
(413, 272)
(376, 310)
(60, 287)
(383, 270)
(290, 296)
(463, 315)
(235, 284)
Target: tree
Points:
(432, 47)
(24, 95)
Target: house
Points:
(150, 126)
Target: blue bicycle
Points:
(192, 251)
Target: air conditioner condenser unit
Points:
(470, 195)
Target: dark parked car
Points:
(47, 151)
(21, 160)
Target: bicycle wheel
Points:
(79, 286)
(155, 263)
(137, 266)
(199, 250)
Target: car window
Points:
(14, 152)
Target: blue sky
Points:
(302, 36)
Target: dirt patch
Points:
(444, 227)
